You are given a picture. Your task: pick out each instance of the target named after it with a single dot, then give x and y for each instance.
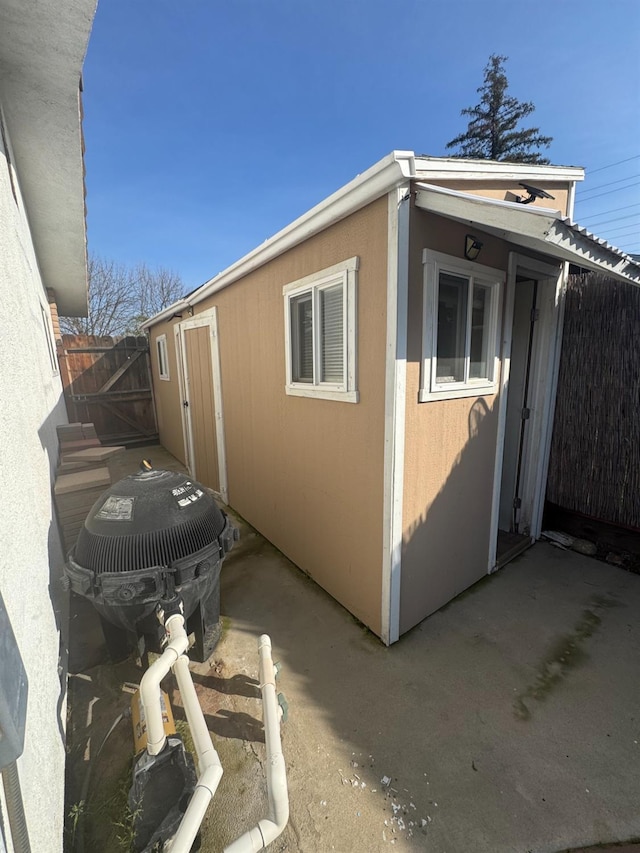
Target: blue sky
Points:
(211, 125)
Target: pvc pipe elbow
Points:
(256, 839)
(270, 830)
(211, 776)
(251, 842)
(205, 788)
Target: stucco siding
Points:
(450, 450)
(307, 473)
(31, 556)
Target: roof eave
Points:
(168, 314)
(42, 49)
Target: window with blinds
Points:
(320, 333)
(331, 334)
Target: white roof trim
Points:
(454, 168)
(392, 171)
(536, 228)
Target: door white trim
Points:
(544, 363)
(182, 392)
(209, 319)
(554, 305)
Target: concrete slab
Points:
(508, 722)
(128, 461)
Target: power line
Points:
(620, 189)
(616, 238)
(628, 225)
(615, 219)
(627, 248)
(630, 229)
(611, 165)
(627, 231)
(612, 210)
(620, 227)
(614, 228)
(609, 184)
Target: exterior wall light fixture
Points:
(472, 247)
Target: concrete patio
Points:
(508, 722)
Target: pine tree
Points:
(492, 133)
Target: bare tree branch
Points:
(121, 298)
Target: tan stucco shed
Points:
(373, 387)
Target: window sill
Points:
(165, 378)
(480, 390)
(323, 394)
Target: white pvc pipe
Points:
(209, 766)
(270, 828)
(150, 684)
(183, 840)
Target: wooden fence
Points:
(107, 382)
(595, 452)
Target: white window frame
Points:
(163, 358)
(50, 339)
(434, 263)
(345, 274)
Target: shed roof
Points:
(399, 168)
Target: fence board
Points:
(107, 381)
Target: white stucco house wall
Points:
(42, 253)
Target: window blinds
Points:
(332, 330)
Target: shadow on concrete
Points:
(438, 717)
(420, 744)
(237, 685)
(229, 724)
